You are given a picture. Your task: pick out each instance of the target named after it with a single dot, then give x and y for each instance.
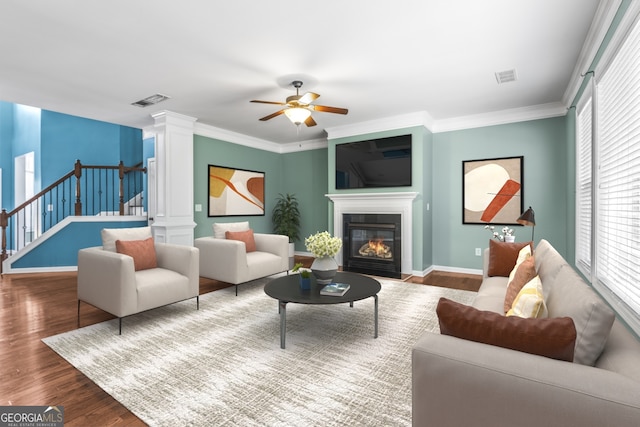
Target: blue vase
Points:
(305, 283)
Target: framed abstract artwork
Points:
(492, 191)
(234, 192)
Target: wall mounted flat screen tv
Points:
(374, 163)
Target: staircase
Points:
(86, 191)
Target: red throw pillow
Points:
(143, 252)
(244, 236)
(549, 337)
(503, 256)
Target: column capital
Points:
(165, 117)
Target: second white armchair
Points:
(228, 260)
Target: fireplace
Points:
(397, 203)
(372, 244)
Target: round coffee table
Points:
(286, 289)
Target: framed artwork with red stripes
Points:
(492, 190)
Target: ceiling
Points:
(377, 58)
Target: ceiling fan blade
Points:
(308, 98)
(326, 109)
(271, 116)
(268, 102)
(310, 122)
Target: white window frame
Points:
(584, 142)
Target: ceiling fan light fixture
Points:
(297, 115)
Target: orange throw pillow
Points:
(503, 257)
(525, 272)
(549, 337)
(244, 236)
(143, 252)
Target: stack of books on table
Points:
(335, 289)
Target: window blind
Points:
(617, 241)
(584, 184)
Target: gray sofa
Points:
(456, 382)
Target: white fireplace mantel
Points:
(378, 203)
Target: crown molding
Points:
(312, 144)
(235, 138)
(419, 118)
(260, 144)
(534, 112)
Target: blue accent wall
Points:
(6, 157)
(73, 237)
(66, 139)
(58, 140)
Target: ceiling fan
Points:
(299, 107)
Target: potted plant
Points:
(506, 236)
(285, 218)
(305, 276)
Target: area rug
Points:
(222, 365)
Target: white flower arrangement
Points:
(323, 244)
(506, 231)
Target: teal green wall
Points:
(302, 173)
(305, 175)
(544, 147)
(209, 151)
(426, 209)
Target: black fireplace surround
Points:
(372, 244)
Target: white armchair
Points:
(108, 280)
(228, 260)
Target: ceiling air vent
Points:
(506, 76)
(150, 100)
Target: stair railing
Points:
(98, 190)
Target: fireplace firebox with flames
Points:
(372, 244)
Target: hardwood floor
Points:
(35, 306)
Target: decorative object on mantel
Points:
(506, 236)
(528, 218)
(324, 248)
(305, 276)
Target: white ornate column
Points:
(173, 222)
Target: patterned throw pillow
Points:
(143, 252)
(529, 302)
